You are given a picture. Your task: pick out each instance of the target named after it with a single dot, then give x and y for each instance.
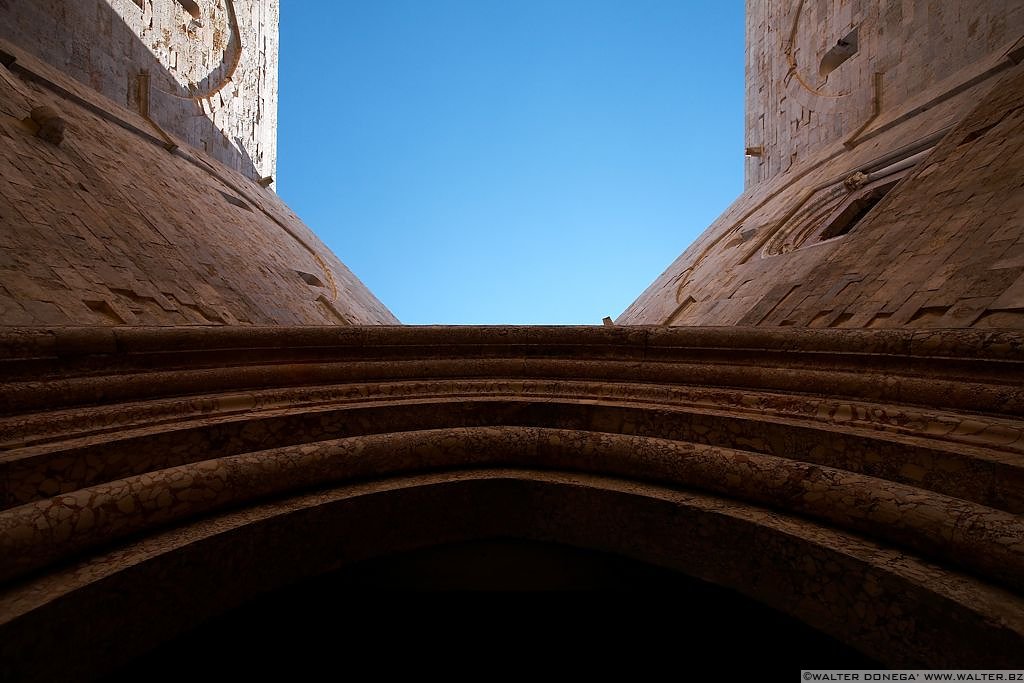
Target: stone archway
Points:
(795, 467)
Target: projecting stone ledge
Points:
(869, 483)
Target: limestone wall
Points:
(111, 227)
(944, 247)
(213, 76)
(905, 215)
(792, 109)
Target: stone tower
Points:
(816, 411)
(155, 208)
(205, 72)
(882, 174)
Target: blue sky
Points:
(510, 161)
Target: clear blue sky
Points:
(510, 161)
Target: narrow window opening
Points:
(855, 211)
(845, 48)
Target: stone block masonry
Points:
(886, 188)
(114, 226)
(212, 71)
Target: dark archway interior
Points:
(520, 606)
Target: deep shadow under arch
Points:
(795, 468)
(594, 611)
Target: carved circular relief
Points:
(195, 40)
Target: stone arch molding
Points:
(891, 526)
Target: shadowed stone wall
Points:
(213, 70)
(153, 216)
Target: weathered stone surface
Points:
(880, 472)
(923, 50)
(212, 78)
(189, 418)
(113, 228)
(941, 250)
(943, 247)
